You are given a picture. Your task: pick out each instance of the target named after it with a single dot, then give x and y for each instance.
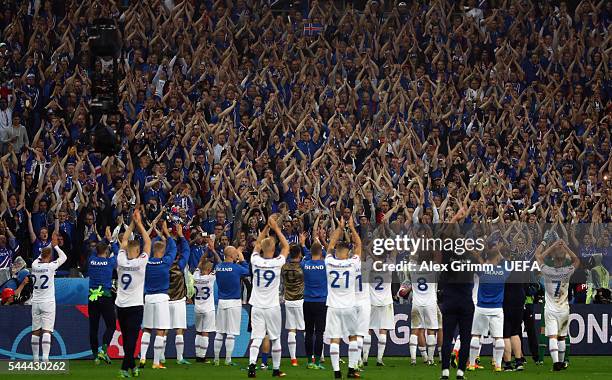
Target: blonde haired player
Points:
(341, 269)
(556, 284)
(266, 316)
(131, 267)
(204, 300)
(43, 298)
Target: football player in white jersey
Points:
(362, 309)
(557, 272)
(266, 316)
(43, 298)
(341, 268)
(381, 299)
(204, 300)
(424, 314)
(131, 267)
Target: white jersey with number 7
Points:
(556, 285)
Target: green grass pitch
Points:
(396, 368)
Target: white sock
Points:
(423, 351)
(162, 356)
(431, 346)
(459, 372)
(382, 343)
(561, 345)
(229, 347)
(277, 351)
(144, 344)
(36, 347)
(474, 350)
(445, 372)
(158, 347)
(413, 342)
(498, 352)
(367, 342)
(198, 346)
(254, 350)
(204, 345)
(291, 342)
(457, 345)
(553, 347)
(46, 346)
(179, 343)
(217, 345)
(334, 354)
(353, 354)
(359, 348)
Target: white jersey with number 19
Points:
(266, 280)
(341, 276)
(130, 279)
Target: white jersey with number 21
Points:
(341, 276)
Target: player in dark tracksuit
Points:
(101, 303)
(514, 305)
(457, 308)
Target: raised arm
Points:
(170, 253)
(137, 219)
(283, 241)
(355, 237)
(336, 235)
(62, 256)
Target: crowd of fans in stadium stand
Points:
(399, 112)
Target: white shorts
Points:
(340, 323)
(266, 322)
(381, 318)
(556, 323)
(363, 311)
(488, 322)
(424, 317)
(178, 314)
(43, 316)
(294, 317)
(205, 322)
(228, 320)
(156, 315)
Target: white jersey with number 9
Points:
(130, 279)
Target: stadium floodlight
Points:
(104, 42)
